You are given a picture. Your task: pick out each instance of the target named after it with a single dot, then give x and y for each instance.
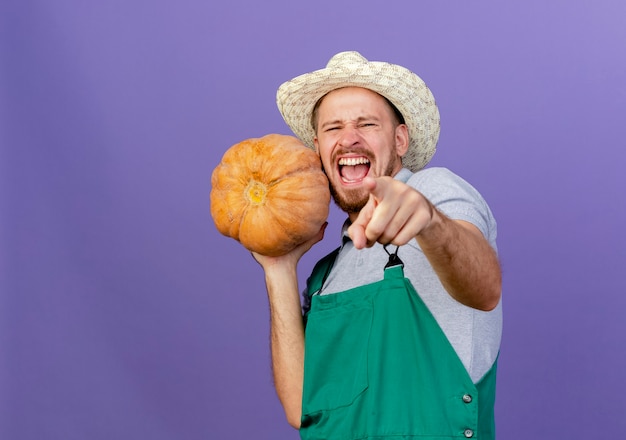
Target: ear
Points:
(402, 139)
(316, 144)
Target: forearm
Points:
(287, 326)
(287, 339)
(466, 264)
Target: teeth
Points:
(351, 161)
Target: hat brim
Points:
(297, 98)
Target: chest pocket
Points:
(336, 357)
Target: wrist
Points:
(434, 228)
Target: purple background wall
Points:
(125, 315)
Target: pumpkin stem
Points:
(256, 192)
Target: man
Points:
(403, 321)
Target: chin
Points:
(351, 201)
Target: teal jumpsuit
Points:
(378, 366)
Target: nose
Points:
(349, 136)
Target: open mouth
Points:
(353, 169)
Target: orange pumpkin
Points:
(270, 194)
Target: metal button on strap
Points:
(467, 398)
(468, 433)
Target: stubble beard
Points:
(350, 201)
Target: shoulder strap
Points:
(320, 273)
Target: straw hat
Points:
(297, 98)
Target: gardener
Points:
(403, 321)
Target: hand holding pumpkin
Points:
(270, 194)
